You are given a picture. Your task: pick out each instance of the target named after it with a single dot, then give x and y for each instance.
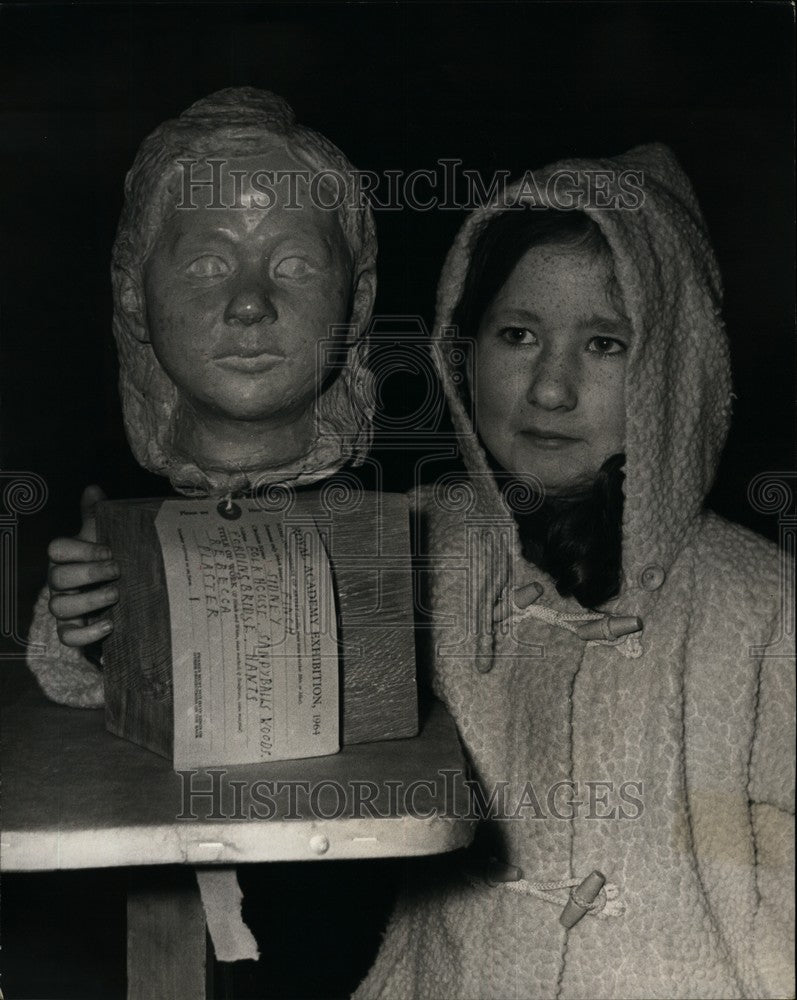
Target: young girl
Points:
(610, 670)
(652, 739)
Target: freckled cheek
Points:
(607, 408)
(498, 393)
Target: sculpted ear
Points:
(363, 299)
(131, 299)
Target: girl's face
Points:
(550, 369)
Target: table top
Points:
(75, 796)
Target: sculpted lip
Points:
(249, 362)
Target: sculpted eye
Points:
(294, 267)
(606, 345)
(517, 335)
(207, 266)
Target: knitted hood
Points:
(678, 387)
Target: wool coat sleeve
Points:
(63, 673)
(771, 791)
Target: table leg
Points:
(167, 952)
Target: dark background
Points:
(499, 86)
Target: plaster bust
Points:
(240, 295)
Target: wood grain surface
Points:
(367, 540)
(167, 949)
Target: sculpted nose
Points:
(552, 385)
(250, 304)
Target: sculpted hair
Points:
(233, 122)
(576, 537)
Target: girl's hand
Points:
(81, 579)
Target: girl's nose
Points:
(251, 303)
(552, 385)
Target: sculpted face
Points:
(237, 300)
(226, 279)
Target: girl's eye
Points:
(207, 266)
(517, 335)
(293, 267)
(606, 345)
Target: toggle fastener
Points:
(498, 872)
(609, 628)
(581, 899)
(520, 599)
(492, 871)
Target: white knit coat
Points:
(698, 709)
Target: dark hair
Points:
(576, 537)
(502, 243)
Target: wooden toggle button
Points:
(581, 898)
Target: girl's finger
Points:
(72, 576)
(67, 607)
(88, 502)
(69, 550)
(83, 635)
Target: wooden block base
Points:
(368, 545)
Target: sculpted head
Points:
(244, 277)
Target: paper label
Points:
(254, 638)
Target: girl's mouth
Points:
(548, 439)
